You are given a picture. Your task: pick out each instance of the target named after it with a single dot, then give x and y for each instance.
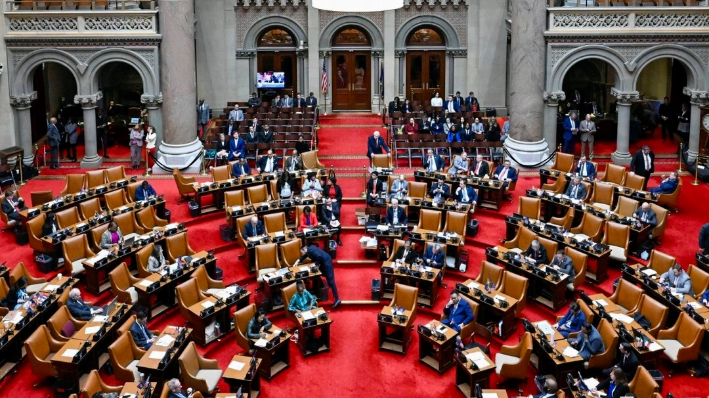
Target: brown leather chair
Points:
(617, 236)
(515, 286)
(188, 294)
(626, 207)
(94, 384)
(564, 221)
(4, 291)
(456, 222)
(662, 214)
(669, 200)
(221, 173)
(122, 284)
(491, 272)
(290, 252)
(468, 328)
(682, 341)
(41, 197)
(199, 373)
(186, 186)
(287, 293)
(655, 312)
(257, 193)
(131, 189)
(643, 384)
(90, 207)
(627, 296)
(406, 297)
(310, 160)
(68, 217)
(266, 260)
(141, 260)
(512, 361)
(128, 224)
(125, 328)
(96, 234)
(116, 199)
(587, 312)
(57, 322)
(699, 278)
(634, 181)
(430, 220)
(591, 228)
(610, 339)
(206, 284)
(116, 173)
(551, 246)
(33, 284)
(417, 189)
(580, 261)
(274, 222)
(614, 174)
(396, 245)
(76, 249)
(522, 240)
(602, 196)
(300, 210)
(34, 233)
(381, 160)
(124, 356)
(95, 178)
(660, 262)
(563, 162)
(557, 186)
(530, 207)
(177, 246)
(234, 198)
(74, 184)
(240, 224)
(241, 322)
(148, 219)
(41, 346)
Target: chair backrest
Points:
(116, 173)
(141, 259)
(34, 232)
(310, 160)
(41, 197)
(587, 311)
(127, 223)
(275, 222)
(643, 384)
(267, 256)
(491, 272)
(240, 224)
(257, 194)
(57, 321)
(68, 217)
(405, 296)
(525, 238)
(121, 354)
(38, 349)
(580, 261)
(290, 252)
(380, 160)
(456, 222)
(177, 245)
(617, 235)
(655, 312)
(189, 360)
(234, 198)
(287, 293)
(661, 214)
(689, 332)
(221, 173)
(95, 178)
(74, 183)
(417, 189)
(603, 193)
(184, 184)
(515, 286)
(550, 245)
(627, 295)
(131, 189)
(188, 293)
(241, 322)
(660, 262)
(699, 277)
(125, 328)
(430, 219)
(530, 207)
(120, 278)
(89, 208)
(615, 174)
(75, 248)
(634, 181)
(610, 342)
(626, 207)
(115, 199)
(591, 225)
(563, 162)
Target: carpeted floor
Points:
(355, 366)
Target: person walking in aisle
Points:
(136, 143)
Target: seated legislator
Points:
(156, 261)
(143, 337)
(548, 389)
(376, 145)
(572, 322)
(78, 308)
(293, 162)
(331, 216)
(628, 362)
(465, 193)
(434, 256)
(12, 206)
(677, 280)
(312, 187)
(458, 312)
(302, 300)
(439, 190)
(505, 173)
(399, 188)
(585, 169)
(479, 168)
(307, 219)
(268, 163)
(257, 328)
(254, 228)
(145, 191)
(396, 214)
(252, 137)
(240, 168)
(646, 215)
(50, 225)
(616, 385)
(374, 188)
(576, 190)
(237, 147)
(433, 162)
(111, 236)
(588, 342)
(667, 186)
(411, 127)
(460, 165)
(406, 253)
(563, 263)
(537, 252)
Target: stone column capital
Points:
(151, 101)
(459, 53)
(400, 53)
(245, 54)
(625, 97)
(325, 54)
(23, 101)
(378, 54)
(88, 101)
(699, 98)
(553, 98)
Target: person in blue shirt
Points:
(240, 168)
(616, 384)
(145, 191)
(588, 342)
(436, 127)
(458, 312)
(466, 194)
(667, 186)
(434, 256)
(323, 260)
(572, 322)
(571, 128)
(705, 297)
(143, 337)
(453, 135)
(302, 300)
(585, 169)
(237, 147)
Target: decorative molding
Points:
(245, 54)
(378, 54)
(23, 101)
(302, 53)
(457, 53)
(18, 56)
(377, 18)
(83, 55)
(400, 53)
(553, 98)
(625, 97)
(590, 20)
(269, 3)
(52, 41)
(151, 101)
(149, 57)
(699, 98)
(80, 24)
(325, 54)
(43, 24)
(88, 101)
(248, 16)
(702, 52)
(432, 3)
(120, 23)
(455, 17)
(669, 19)
(557, 53)
(629, 53)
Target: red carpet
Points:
(355, 366)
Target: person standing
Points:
(202, 118)
(704, 239)
(72, 135)
(643, 164)
(323, 260)
(54, 139)
(571, 128)
(102, 131)
(150, 142)
(64, 144)
(236, 115)
(376, 145)
(135, 140)
(588, 129)
(665, 114)
(683, 126)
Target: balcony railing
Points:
(626, 3)
(628, 19)
(83, 5)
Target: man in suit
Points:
(145, 191)
(433, 162)
(236, 114)
(439, 190)
(466, 194)
(376, 145)
(399, 188)
(254, 101)
(256, 125)
(406, 253)
(537, 252)
(646, 215)
(667, 186)
(451, 106)
(460, 101)
(252, 137)
(323, 260)
(78, 308)
(576, 190)
(202, 118)
(458, 312)
(294, 162)
(277, 102)
(588, 129)
(572, 322)
(143, 337)
(299, 101)
(102, 131)
(287, 101)
(254, 228)
(704, 239)
(374, 188)
(54, 138)
(548, 389)
(229, 129)
(331, 217)
(677, 280)
(240, 168)
(588, 342)
(571, 128)
(576, 100)
(396, 214)
(665, 116)
(643, 164)
(12, 205)
(471, 103)
(268, 163)
(628, 362)
(563, 263)
(434, 256)
(394, 106)
(311, 101)
(175, 388)
(505, 173)
(479, 168)
(585, 169)
(237, 147)
(266, 135)
(460, 165)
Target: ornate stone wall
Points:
(18, 24)
(454, 12)
(377, 18)
(257, 10)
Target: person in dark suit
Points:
(254, 101)
(396, 214)
(505, 173)
(471, 103)
(78, 308)
(548, 388)
(230, 128)
(537, 252)
(252, 137)
(394, 106)
(50, 225)
(616, 384)
(406, 107)
(588, 342)
(256, 125)
(576, 100)
(311, 101)
(466, 194)
(646, 215)
(222, 148)
(665, 114)
(563, 263)
(293, 162)
(460, 101)
(572, 322)
(266, 135)
(240, 168)
(299, 101)
(433, 162)
(54, 139)
(254, 228)
(406, 253)
(451, 105)
(376, 145)
(332, 190)
(102, 131)
(466, 133)
(576, 190)
(434, 256)
(425, 125)
(374, 188)
(331, 217)
(175, 388)
(287, 101)
(439, 190)
(202, 118)
(267, 163)
(145, 191)
(479, 167)
(643, 164)
(12, 206)
(237, 147)
(571, 128)
(628, 362)
(585, 169)
(458, 312)
(143, 337)
(667, 186)
(323, 260)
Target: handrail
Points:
(80, 5)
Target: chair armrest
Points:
(668, 334)
(205, 363)
(509, 350)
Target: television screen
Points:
(270, 80)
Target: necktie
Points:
(377, 142)
(503, 175)
(575, 191)
(142, 327)
(242, 170)
(677, 281)
(583, 169)
(477, 168)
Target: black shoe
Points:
(106, 157)
(336, 303)
(339, 242)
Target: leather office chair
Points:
(273, 187)
(557, 186)
(699, 277)
(430, 220)
(68, 217)
(627, 296)
(34, 233)
(34, 285)
(74, 184)
(660, 262)
(41, 197)
(456, 222)
(626, 207)
(96, 233)
(128, 224)
(589, 191)
(141, 260)
(221, 173)
(396, 245)
(234, 198)
(550, 245)
(240, 224)
(131, 189)
(682, 341)
(9, 224)
(469, 328)
(643, 384)
(563, 162)
(417, 189)
(124, 356)
(4, 291)
(390, 181)
(491, 272)
(530, 207)
(241, 322)
(602, 196)
(274, 222)
(512, 361)
(634, 181)
(148, 219)
(116, 199)
(290, 252)
(655, 312)
(40, 348)
(122, 284)
(63, 325)
(199, 373)
(617, 236)
(614, 174)
(287, 293)
(300, 210)
(669, 200)
(515, 286)
(521, 241)
(590, 228)
(116, 173)
(125, 328)
(266, 260)
(662, 214)
(580, 261)
(188, 294)
(381, 160)
(76, 249)
(95, 178)
(89, 208)
(586, 311)
(63, 298)
(186, 186)
(177, 246)
(311, 161)
(610, 339)
(257, 194)
(206, 284)
(406, 297)
(94, 384)
(564, 221)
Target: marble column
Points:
(23, 104)
(88, 104)
(624, 100)
(551, 110)
(527, 68)
(314, 63)
(153, 104)
(390, 87)
(180, 146)
(697, 99)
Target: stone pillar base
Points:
(529, 153)
(91, 162)
(621, 158)
(27, 160)
(179, 156)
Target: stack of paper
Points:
(69, 353)
(473, 285)
(157, 355)
(92, 329)
(307, 315)
(164, 341)
(545, 327)
(601, 302)
(145, 283)
(236, 365)
(261, 343)
(622, 317)
(207, 304)
(649, 272)
(570, 352)
(100, 318)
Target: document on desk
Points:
(475, 356)
(50, 288)
(473, 285)
(145, 283)
(69, 353)
(236, 365)
(303, 269)
(222, 294)
(382, 227)
(622, 318)
(655, 346)
(649, 272)
(482, 363)
(164, 341)
(490, 395)
(100, 318)
(307, 315)
(207, 304)
(591, 382)
(570, 352)
(499, 298)
(545, 327)
(157, 354)
(92, 329)
(236, 208)
(261, 343)
(279, 234)
(602, 303)
(695, 305)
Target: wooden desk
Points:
(131, 390)
(394, 336)
(557, 336)
(272, 287)
(433, 351)
(489, 191)
(221, 316)
(273, 237)
(466, 377)
(250, 384)
(216, 190)
(53, 243)
(276, 355)
(492, 311)
(647, 354)
(286, 206)
(309, 333)
(549, 363)
(162, 372)
(601, 299)
(428, 280)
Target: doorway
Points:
(351, 80)
(425, 74)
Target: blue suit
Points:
(705, 296)
(437, 159)
(456, 107)
(667, 186)
(511, 174)
(238, 145)
(593, 346)
(462, 314)
(141, 335)
(437, 259)
(401, 216)
(569, 136)
(236, 170)
(323, 260)
(446, 191)
(250, 230)
(472, 196)
(587, 170)
(576, 322)
(436, 128)
(142, 194)
(376, 146)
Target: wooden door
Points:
(425, 74)
(351, 80)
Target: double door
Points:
(425, 74)
(351, 80)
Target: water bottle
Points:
(217, 330)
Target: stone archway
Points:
(555, 78)
(22, 75)
(255, 31)
(149, 74)
(377, 40)
(414, 23)
(693, 65)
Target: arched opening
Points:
(276, 63)
(122, 86)
(56, 87)
(662, 77)
(351, 69)
(425, 64)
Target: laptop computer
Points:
(110, 307)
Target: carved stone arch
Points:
(350, 20)
(414, 23)
(573, 56)
(693, 65)
(151, 79)
(255, 31)
(22, 82)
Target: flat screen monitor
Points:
(270, 79)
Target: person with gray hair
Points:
(460, 165)
(399, 188)
(537, 252)
(175, 388)
(80, 309)
(396, 215)
(434, 256)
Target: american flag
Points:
(323, 85)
